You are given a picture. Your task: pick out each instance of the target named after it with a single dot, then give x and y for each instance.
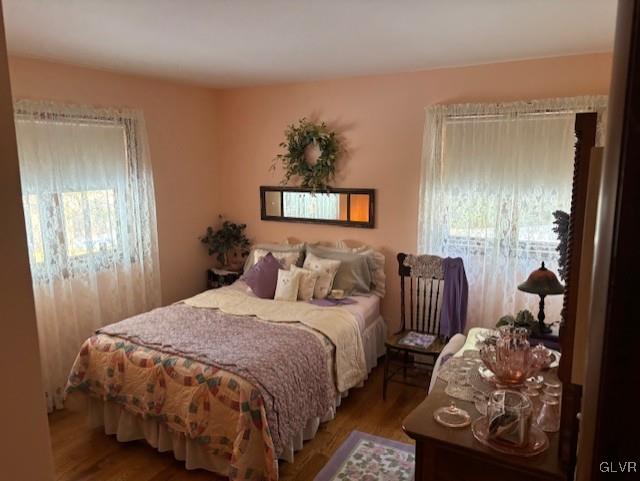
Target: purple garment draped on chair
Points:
(456, 294)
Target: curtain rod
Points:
(516, 114)
(48, 114)
(86, 119)
(505, 117)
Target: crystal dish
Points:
(452, 416)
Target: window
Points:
(34, 228)
(492, 176)
(75, 192)
(89, 222)
(87, 190)
(89, 209)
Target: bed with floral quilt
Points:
(227, 381)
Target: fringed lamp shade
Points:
(543, 282)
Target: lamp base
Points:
(544, 329)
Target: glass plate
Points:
(538, 440)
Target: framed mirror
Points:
(337, 206)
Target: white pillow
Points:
(307, 283)
(287, 287)
(287, 259)
(276, 250)
(326, 269)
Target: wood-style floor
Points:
(83, 454)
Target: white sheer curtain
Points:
(492, 176)
(90, 213)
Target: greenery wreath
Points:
(294, 161)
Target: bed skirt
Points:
(129, 427)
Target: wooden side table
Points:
(219, 277)
(446, 454)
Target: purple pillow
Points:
(262, 278)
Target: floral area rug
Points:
(363, 457)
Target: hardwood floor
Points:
(83, 454)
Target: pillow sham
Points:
(287, 286)
(287, 259)
(326, 269)
(376, 263)
(307, 283)
(262, 278)
(278, 251)
(354, 273)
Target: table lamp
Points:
(543, 282)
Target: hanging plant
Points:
(299, 138)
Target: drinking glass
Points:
(461, 378)
(459, 385)
(549, 416)
(553, 387)
(481, 401)
(536, 403)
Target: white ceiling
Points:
(226, 43)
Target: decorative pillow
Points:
(263, 277)
(279, 251)
(287, 287)
(307, 283)
(326, 269)
(378, 277)
(287, 259)
(376, 264)
(354, 273)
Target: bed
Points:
(226, 381)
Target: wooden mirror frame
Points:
(370, 224)
(585, 129)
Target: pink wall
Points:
(211, 149)
(181, 121)
(382, 118)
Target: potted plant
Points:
(524, 318)
(229, 244)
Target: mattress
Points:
(366, 310)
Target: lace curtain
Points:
(492, 176)
(91, 226)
